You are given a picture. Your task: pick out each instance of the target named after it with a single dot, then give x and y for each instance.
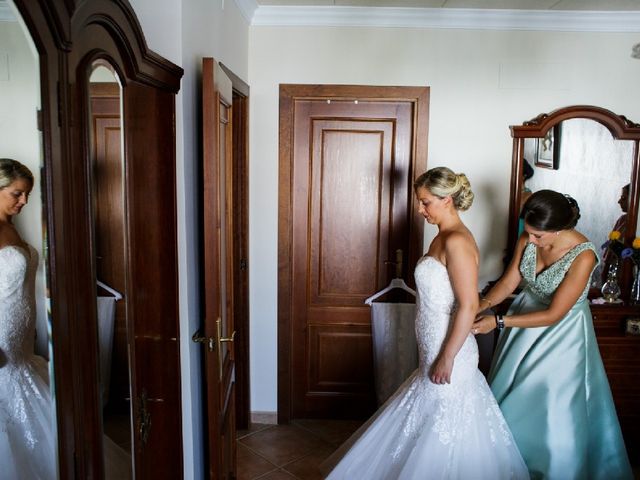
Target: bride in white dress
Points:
(26, 431)
(27, 440)
(443, 422)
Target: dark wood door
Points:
(349, 155)
(219, 333)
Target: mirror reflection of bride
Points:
(27, 440)
(26, 428)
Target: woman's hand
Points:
(484, 324)
(441, 370)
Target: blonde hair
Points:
(12, 170)
(443, 182)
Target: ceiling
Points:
(556, 5)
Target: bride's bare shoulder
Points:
(8, 235)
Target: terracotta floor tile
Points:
(253, 428)
(250, 465)
(278, 475)
(282, 444)
(333, 431)
(307, 467)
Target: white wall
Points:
(481, 82)
(184, 32)
(20, 140)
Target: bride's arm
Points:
(462, 266)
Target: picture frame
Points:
(548, 149)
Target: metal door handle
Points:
(222, 339)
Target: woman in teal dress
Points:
(547, 373)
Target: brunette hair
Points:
(550, 211)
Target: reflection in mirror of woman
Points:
(108, 213)
(609, 259)
(26, 428)
(21, 139)
(592, 167)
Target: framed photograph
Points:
(548, 149)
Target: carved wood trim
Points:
(621, 128)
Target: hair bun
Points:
(463, 198)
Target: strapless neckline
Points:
(24, 249)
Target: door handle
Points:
(209, 341)
(221, 340)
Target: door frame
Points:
(289, 93)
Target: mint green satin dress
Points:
(551, 385)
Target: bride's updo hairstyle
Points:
(12, 170)
(550, 211)
(443, 182)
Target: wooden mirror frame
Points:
(620, 127)
(68, 36)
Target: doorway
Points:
(348, 157)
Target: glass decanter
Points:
(611, 290)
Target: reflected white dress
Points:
(26, 430)
(429, 431)
(27, 440)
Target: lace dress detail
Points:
(452, 431)
(26, 431)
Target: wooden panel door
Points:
(219, 333)
(152, 281)
(350, 155)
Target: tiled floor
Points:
(289, 452)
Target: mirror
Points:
(21, 140)
(107, 160)
(586, 162)
(69, 37)
(589, 153)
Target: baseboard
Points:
(270, 418)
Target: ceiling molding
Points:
(453, 18)
(247, 9)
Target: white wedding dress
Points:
(26, 430)
(27, 441)
(429, 431)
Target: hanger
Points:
(115, 293)
(397, 282)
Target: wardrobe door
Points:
(153, 281)
(70, 38)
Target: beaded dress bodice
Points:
(544, 284)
